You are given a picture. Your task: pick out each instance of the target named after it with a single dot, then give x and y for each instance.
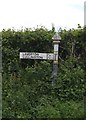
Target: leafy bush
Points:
(27, 88)
(53, 108)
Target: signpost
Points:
(46, 56)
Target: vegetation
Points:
(27, 89)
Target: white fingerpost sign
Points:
(46, 56)
(35, 55)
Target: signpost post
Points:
(56, 40)
(46, 56)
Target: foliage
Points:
(52, 108)
(27, 88)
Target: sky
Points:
(32, 13)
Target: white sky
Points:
(30, 13)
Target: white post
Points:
(56, 40)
